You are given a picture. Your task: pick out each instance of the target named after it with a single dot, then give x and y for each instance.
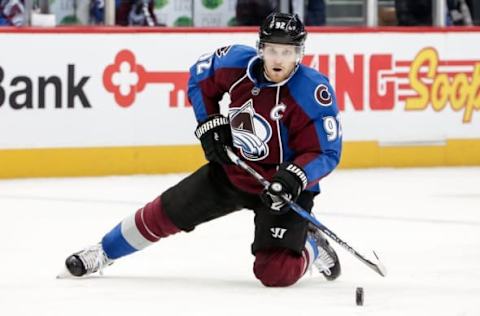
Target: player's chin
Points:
(278, 74)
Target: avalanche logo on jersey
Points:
(323, 95)
(222, 51)
(251, 132)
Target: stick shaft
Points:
(377, 267)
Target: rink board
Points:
(58, 162)
(99, 101)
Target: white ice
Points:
(424, 224)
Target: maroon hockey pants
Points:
(273, 267)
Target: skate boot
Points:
(327, 260)
(87, 261)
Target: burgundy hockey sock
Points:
(139, 230)
(153, 223)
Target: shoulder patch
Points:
(222, 51)
(323, 95)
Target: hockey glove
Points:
(290, 180)
(215, 134)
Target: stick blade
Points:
(377, 265)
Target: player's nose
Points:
(278, 61)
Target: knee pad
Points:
(278, 267)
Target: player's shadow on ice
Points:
(180, 282)
(193, 282)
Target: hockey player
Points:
(283, 121)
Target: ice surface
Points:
(424, 224)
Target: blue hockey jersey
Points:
(293, 121)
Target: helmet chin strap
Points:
(302, 53)
(259, 49)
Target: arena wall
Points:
(101, 101)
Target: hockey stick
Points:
(374, 264)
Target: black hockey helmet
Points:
(282, 28)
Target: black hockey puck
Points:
(359, 296)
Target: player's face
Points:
(280, 60)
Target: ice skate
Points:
(86, 262)
(327, 260)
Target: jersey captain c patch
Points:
(323, 95)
